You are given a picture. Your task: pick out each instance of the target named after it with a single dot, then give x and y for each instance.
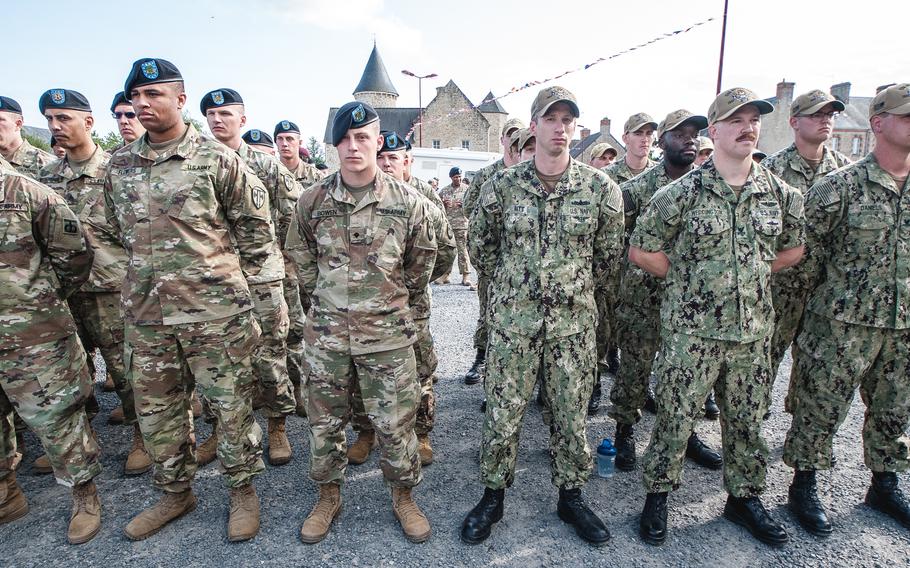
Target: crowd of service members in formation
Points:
(215, 278)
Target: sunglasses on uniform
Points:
(118, 115)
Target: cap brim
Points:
(572, 105)
(637, 127)
(838, 107)
(763, 107)
(902, 110)
(700, 122)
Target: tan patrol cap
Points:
(705, 143)
(812, 102)
(893, 100)
(734, 99)
(510, 124)
(600, 149)
(677, 118)
(638, 120)
(550, 96)
(515, 136)
(524, 138)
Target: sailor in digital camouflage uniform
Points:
(43, 374)
(549, 232)
(856, 331)
(602, 155)
(14, 148)
(715, 238)
(197, 227)
(364, 247)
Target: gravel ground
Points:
(367, 534)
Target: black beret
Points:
(351, 115)
(150, 71)
(63, 98)
(257, 138)
(9, 105)
(220, 98)
(119, 99)
(286, 126)
(392, 142)
(455, 171)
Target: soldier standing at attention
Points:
(705, 149)
(715, 236)
(127, 124)
(197, 228)
(549, 232)
(856, 331)
(287, 139)
(451, 196)
(364, 248)
(25, 158)
(43, 259)
(259, 140)
(602, 155)
(224, 111)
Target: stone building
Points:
(581, 149)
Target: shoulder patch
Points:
(666, 207)
(628, 202)
(827, 193)
(615, 200)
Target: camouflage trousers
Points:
(483, 300)
(100, 325)
(688, 367)
(297, 318)
(48, 385)
(391, 393)
(638, 335)
(514, 363)
(607, 331)
(833, 359)
(425, 357)
(461, 247)
(163, 364)
(789, 304)
(270, 359)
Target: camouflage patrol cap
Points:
(731, 100)
(392, 142)
(679, 117)
(600, 149)
(150, 71)
(525, 137)
(812, 102)
(256, 137)
(354, 114)
(220, 98)
(705, 143)
(9, 105)
(63, 98)
(515, 136)
(549, 96)
(637, 121)
(119, 99)
(511, 125)
(893, 100)
(286, 126)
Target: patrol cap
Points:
(256, 137)
(511, 124)
(893, 100)
(525, 137)
(705, 143)
(150, 71)
(600, 149)
(515, 136)
(9, 105)
(455, 171)
(220, 98)
(286, 126)
(392, 142)
(119, 99)
(549, 96)
(637, 121)
(351, 115)
(63, 98)
(731, 100)
(812, 102)
(679, 117)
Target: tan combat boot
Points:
(108, 385)
(85, 518)
(116, 416)
(424, 449)
(300, 410)
(359, 451)
(279, 446)
(42, 465)
(414, 523)
(327, 508)
(138, 460)
(196, 404)
(207, 451)
(243, 521)
(12, 500)
(171, 506)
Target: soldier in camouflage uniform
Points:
(638, 312)
(801, 165)
(451, 196)
(128, 125)
(16, 150)
(43, 259)
(287, 139)
(856, 331)
(364, 247)
(602, 155)
(225, 114)
(197, 227)
(716, 238)
(705, 149)
(549, 232)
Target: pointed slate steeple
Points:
(491, 106)
(375, 78)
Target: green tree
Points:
(109, 141)
(37, 142)
(198, 125)
(317, 152)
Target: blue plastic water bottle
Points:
(606, 459)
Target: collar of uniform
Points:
(244, 151)
(93, 168)
(713, 181)
(570, 181)
(342, 195)
(184, 149)
(878, 175)
(798, 163)
(19, 155)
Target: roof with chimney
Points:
(375, 78)
(579, 146)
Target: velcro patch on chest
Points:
(323, 213)
(196, 167)
(666, 207)
(12, 207)
(827, 194)
(393, 212)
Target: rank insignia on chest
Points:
(150, 69)
(70, 226)
(258, 197)
(218, 97)
(58, 97)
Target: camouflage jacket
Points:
(28, 160)
(83, 189)
(445, 238)
(284, 191)
(197, 228)
(451, 199)
(472, 194)
(363, 264)
(858, 246)
(306, 174)
(43, 259)
(620, 172)
(789, 166)
(720, 250)
(547, 254)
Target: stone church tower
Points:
(375, 88)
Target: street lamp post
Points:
(420, 79)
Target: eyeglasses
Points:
(819, 116)
(119, 115)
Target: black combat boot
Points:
(700, 453)
(594, 402)
(884, 495)
(625, 447)
(652, 525)
(483, 405)
(613, 359)
(477, 525)
(805, 504)
(650, 402)
(712, 412)
(475, 373)
(572, 510)
(750, 513)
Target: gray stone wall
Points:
(450, 131)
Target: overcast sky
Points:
(293, 59)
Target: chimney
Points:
(604, 129)
(585, 132)
(784, 93)
(841, 92)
